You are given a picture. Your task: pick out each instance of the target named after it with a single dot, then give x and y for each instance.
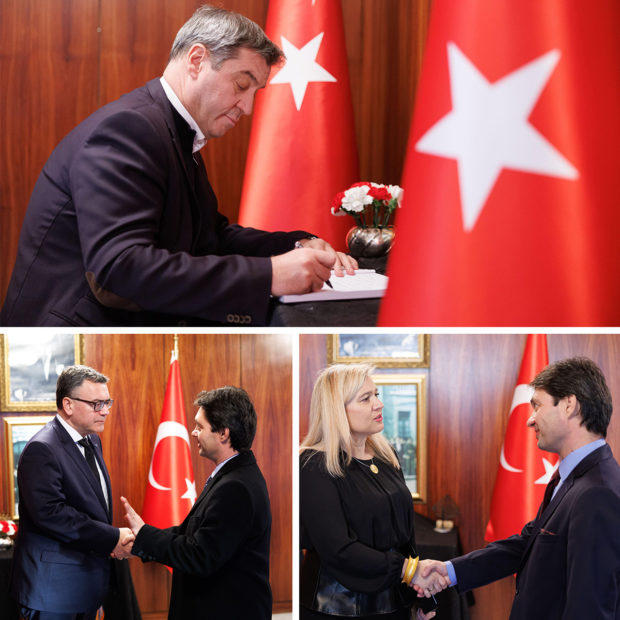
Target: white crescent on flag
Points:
(166, 429)
(522, 395)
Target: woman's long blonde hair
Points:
(329, 431)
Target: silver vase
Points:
(370, 242)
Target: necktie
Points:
(555, 479)
(207, 483)
(89, 453)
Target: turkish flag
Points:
(302, 147)
(171, 488)
(524, 469)
(512, 192)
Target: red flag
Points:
(524, 469)
(171, 489)
(510, 211)
(302, 146)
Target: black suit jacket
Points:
(123, 229)
(220, 553)
(65, 536)
(568, 559)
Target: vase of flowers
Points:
(8, 529)
(372, 206)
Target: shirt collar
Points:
(199, 138)
(568, 463)
(222, 464)
(75, 435)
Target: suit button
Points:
(246, 319)
(230, 318)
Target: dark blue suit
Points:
(568, 559)
(123, 229)
(61, 559)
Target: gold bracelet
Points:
(412, 564)
(409, 562)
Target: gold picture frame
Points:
(18, 430)
(31, 362)
(405, 425)
(382, 350)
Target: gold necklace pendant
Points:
(374, 469)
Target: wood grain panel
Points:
(48, 71)
(137, 367)
(471, 383)
(268, 381)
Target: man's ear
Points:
(197, 56)
(224, 435)
(572, 406)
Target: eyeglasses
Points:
(97, 405)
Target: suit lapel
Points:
(80, 462)
(244, 458)
(586, 464)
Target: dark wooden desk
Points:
(345, 313)
(436, 546)
(8, 608)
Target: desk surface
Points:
(344, 313)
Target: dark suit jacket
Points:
(123, 229)
(568, 559)
(65, 534)
(220, 553)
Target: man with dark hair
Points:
(222, 547)
(61, 563)
(123, 227)
(567, 559)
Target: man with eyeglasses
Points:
(61, 563)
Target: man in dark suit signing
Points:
(61, 563)
(220, 553)
(567, 560)
(123, 226)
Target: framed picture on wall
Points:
(31, 363)
(17, 432)
(382, 350)
(404, 424)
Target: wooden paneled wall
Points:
(471, 383)
(63, 59)
(137, 365)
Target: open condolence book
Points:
(366, 283)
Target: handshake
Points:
(127, 534)
(430, 578)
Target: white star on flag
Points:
(488, 129)
(549, 471)
(190, 494)
(301, 68)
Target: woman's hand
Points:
(420, 615)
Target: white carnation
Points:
(356, 198)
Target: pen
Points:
(329, 283)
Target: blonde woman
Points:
(356, 510)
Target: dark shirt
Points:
(360, 525)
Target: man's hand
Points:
(430, 577)
(132, 517)
(124, 545)
(342, 263)
(300, 271)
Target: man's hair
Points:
(72, 377)
(581, 377)
(230, 407)
(223, 32)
